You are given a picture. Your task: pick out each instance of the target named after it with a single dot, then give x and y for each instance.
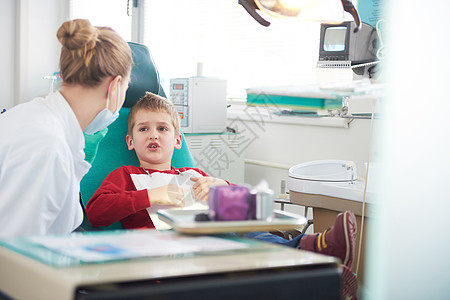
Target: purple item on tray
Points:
(230, 203)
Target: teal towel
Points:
(91, 144)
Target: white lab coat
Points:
(41, 166)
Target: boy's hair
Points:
(155, 103)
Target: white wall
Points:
(272, 147)
(7, 53)
(286, 145)
(31, 49)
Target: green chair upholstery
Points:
(112, 151)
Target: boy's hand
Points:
(166, 195)
(202, 185)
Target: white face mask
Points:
(104, 118)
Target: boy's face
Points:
(153, 138)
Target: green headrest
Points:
(144, 75)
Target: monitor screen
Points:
(335, 38)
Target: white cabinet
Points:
(219, 155)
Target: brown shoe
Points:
(338, 241)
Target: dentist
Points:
(42, 142)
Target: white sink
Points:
(325, 170)
(334, 178)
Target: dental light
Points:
(324, 11)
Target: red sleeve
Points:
(116, 199)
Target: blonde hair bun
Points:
(91, 54)
(80, 37)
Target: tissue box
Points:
(238, 203)
(230, 203)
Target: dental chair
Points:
(111, 151)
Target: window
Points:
(219, 34)
(111, 13)
(229, 43)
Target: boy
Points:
(154, 133)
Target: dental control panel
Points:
(201, 103)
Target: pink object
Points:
(230, 203)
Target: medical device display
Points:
(339, 42)
(201, 103)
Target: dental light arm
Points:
(251, 6)
(351, 9)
